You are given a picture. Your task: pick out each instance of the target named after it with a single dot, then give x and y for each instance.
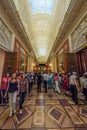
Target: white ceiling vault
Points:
(42, 20)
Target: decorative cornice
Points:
(12, 13)
(73, 15)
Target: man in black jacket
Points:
(39, 81)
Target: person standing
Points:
(56, 82)
(49, 82)
(39, 81)
(65, 82)
(4, 84)
(45, 79)
(29, 82)
(22, 90)
(73, 87)
(12, 93)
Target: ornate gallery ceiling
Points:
(43, 25)
(42, 20)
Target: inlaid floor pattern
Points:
(46, 111)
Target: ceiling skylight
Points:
(42, 51)
(42, 20)
(42, 6)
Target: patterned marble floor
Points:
(46, 111)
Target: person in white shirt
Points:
(73, 87)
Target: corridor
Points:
(43, 41)
(43, 111)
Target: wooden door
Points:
(71, 62)
(84, 61)
(10, 62)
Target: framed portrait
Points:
(22, 62)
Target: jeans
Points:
(85, 93)
(38, 86)
(45, 85)
(12, 100)
(3, 99)
(29, 87)
(22, 97)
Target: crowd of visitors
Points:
(20, 84)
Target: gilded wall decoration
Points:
(5, 35)
(78, 37)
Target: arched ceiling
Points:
(42, 20)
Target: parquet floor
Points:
(46, 111)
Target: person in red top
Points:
(65, 82)
(4, 84)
